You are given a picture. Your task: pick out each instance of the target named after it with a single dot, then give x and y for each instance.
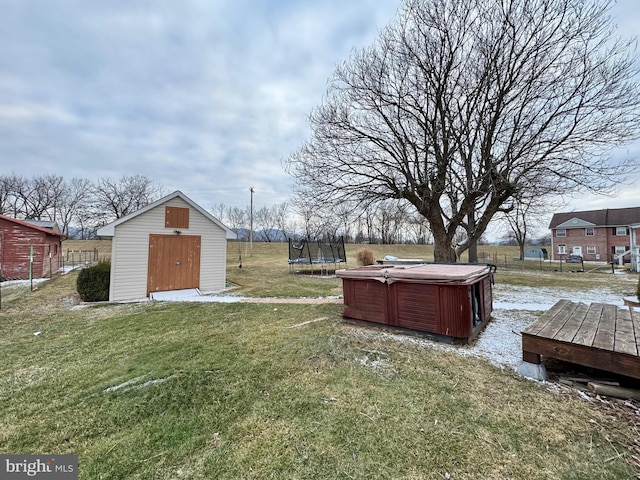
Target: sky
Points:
(203, 96)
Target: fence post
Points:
(31, 266)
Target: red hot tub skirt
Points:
(442, 299)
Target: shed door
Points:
(174, 262)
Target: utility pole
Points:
(251, 222)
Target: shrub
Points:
(364, 256)
(93, 282)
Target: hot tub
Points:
(454, 300)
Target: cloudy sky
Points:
(205, 96)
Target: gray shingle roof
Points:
(609, 217)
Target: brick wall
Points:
(594, 247)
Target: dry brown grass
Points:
(103, 247)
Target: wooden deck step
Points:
(598, 335)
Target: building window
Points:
(589, 232)
(562, 249)
(591, 249)
(561, 232)
(618, 249)
(621, 231)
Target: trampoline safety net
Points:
(316, 252)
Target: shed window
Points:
(589, 232)
(561, 232)
(176, 217)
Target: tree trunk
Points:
(473, 251)
(442, 249)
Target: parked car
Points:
(573, 259)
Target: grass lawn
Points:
(242, 390)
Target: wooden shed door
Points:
(174, 262)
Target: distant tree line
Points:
(78, 206)
(384, 223)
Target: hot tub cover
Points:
(435, 272)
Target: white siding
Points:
(130, 251)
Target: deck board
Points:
(625, 341)
(601, 336)
(552, 328)
(573, 324)
(605, 334)
(586, 334)
(546, 317)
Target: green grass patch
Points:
(241, 390)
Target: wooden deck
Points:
(600, 336)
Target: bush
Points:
(93, 282)
(364, 256)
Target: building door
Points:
(174, 262)
(577, 251)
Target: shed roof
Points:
(32, 225)
(51, 225)
(609, 217)
(109, 229)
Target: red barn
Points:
(17, 237)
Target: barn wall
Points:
(16, 240)
(130, 251)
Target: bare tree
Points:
(19, 189)
(525, 217)
(74, 202)
(114, 199)
(392, 220)
(8, 194)
(39, 197)
(219, 211)
(266, 222)
(465, 108)
(418, 229)
(345, 216)
(311, 216)
(281, 213)
(238, 219)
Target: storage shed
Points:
(171, 244)
(443, 299)
(536, 253)
(19, 240)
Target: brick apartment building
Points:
(597, 235)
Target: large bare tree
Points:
(464, 108)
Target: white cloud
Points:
(205, 96)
